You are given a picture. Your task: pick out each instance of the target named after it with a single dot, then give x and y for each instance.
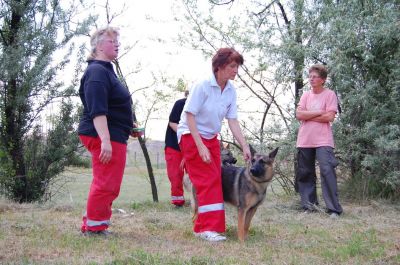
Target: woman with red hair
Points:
(209, 102)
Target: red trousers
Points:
(106, 183)
(173, 159)
(206, 178)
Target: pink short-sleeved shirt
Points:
(315, 134)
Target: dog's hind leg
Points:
(249, 216)
(241, 224)
(187, 184)
(195, 205)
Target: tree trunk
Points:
(142, 143)
(149, 168)
(298, 69)
(12, 134)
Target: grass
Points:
(157, 233)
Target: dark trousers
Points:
(307, 178)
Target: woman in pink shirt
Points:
(316, 110)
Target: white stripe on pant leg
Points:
(92, 223)
(177, 198)
(211, 207)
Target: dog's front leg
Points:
(249, 216)
(241, 223)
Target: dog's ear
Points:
(252, 150)
(273, 153)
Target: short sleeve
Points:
(195, 100)
(303, 101)
(332, 103)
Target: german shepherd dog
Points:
(244, 187)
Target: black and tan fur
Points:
(244, 187)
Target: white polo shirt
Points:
(209, 107)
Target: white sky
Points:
(150, 26)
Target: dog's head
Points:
(262, 166)
(227, 156)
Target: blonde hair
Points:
(98, 36)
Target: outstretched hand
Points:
(246, 153)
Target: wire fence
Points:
(136, 158)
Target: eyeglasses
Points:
(115, 42)
(313, 76)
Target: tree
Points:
(363, 38)
(271, 37)
(357, 40)
(30, 34)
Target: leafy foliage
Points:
(30, 34)
(358, 40)
(364, 61)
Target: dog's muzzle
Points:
(257, 170)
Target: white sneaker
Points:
(334, 216)
(210, 236)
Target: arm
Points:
(237, 133)
(328, 116)
(202, 149)
(323, 116)
(175, 114)
(100, 124)
(173, 125)
(305, 115)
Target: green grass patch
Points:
(363, 245)
(142, 257)
(157, 233)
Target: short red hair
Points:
(225, 56)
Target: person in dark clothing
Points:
(173, 155)
(104, 128)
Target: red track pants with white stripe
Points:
(206, 178)
(173, 158)
(106, 183)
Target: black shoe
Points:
(101, 233)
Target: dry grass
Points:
(156, 233)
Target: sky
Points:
(151, 28)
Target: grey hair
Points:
(98, 36)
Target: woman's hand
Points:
(246, 152)
(106, 152)
(204, 153)
(136, 134)
(100, 123)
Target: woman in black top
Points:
(104, 128)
